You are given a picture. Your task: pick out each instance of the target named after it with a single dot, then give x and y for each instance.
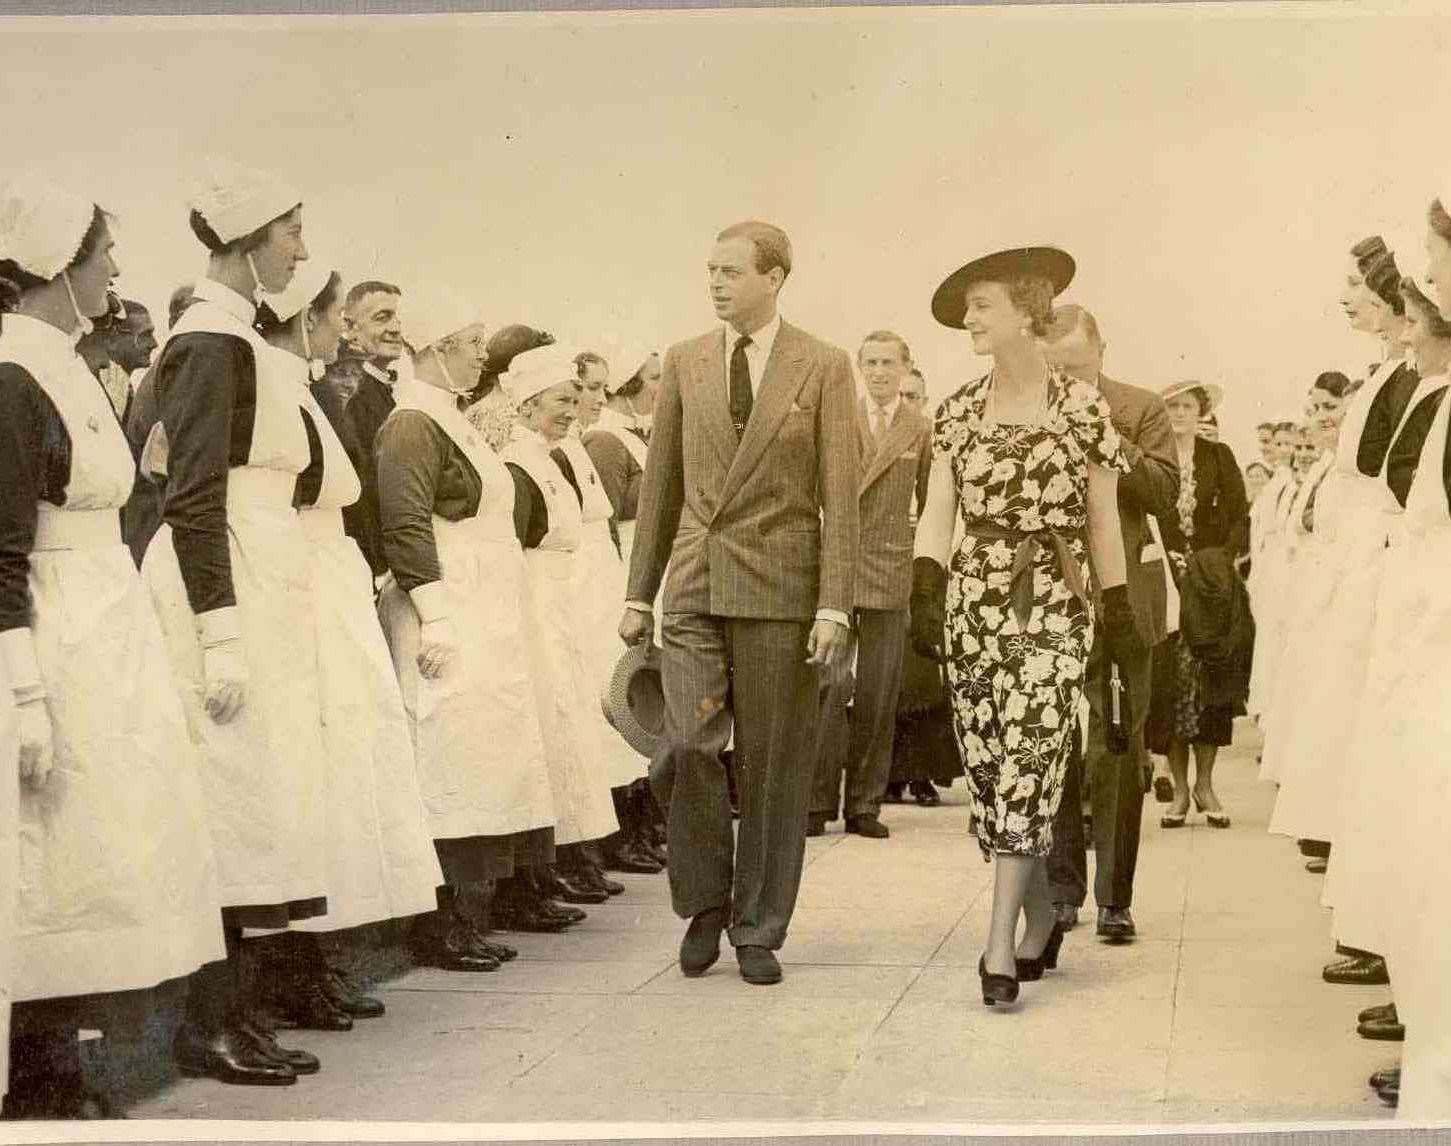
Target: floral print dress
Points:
(1014, 687)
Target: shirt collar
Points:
(242, 309)
(387, 377)
(762, 340)
(889, 412)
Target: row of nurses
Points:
(114, 889)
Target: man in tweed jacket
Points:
(750, 496)
(896, 445)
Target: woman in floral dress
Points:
(1026, 457)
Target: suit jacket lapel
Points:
(900, 434)
(864, 433)
(710, 367)
(774, 399)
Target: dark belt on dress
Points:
(1027, 544)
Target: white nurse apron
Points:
(568, 704)
(264, 772)
(476, 729)
(116, 881)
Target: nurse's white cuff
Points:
(430, 602)
(218, 626)
(22, 670)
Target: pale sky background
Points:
(1208, 167)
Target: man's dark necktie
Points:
(741, 399)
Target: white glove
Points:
(224, 664)
(37, 745)
(437, 642)
(437, 646)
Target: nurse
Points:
(231, 576)
(453, 609)
(545, 387)
(116, 885)
(380, 858)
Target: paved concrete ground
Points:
(1216, 1014)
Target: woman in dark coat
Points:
(1194, 704)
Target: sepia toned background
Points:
(1207, 167)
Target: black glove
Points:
(929, 609)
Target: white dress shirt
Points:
(880, 418)
(758, 353)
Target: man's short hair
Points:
(364, 289)
(587, 358)
(1270, 426)
(886, 336)
(773, 248)
(1069, 317)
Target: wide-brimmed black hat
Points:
(634, 703)
(949, 302)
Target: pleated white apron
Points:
(1330, 646)
(1272, 571)
(380, 858)
(476, 729)
(9, 870)
(264, 773)
(568, 705)
(116, 879)
(600, 577)
(1389, 755)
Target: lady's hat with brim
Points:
(535, 371)
(634, 702)
(236, 200)
(949, 302)
(1212, 391)
(42, 226)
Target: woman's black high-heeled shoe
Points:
(1030, 970)
(1213, 819)
(996, 988)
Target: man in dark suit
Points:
(750, 496)
(1117, 779)
(896, 456)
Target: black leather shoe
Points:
(1317, 866)
(563, 912)
(1390, 1093)
(306, 1005)
(574, 891)
(1382, 1030)
(229, 1056)
(996, 988)
(346, 997)
(1358, 972)
(925, 793)
(867, 826)
(266, 1045)
(1314, 849)
(1116, 924)
(1067, 915)
(594, 879)
(633, 860)
(816, 826)
(1383, 1011)
(1391, 1076)
(1030, 969)
(894, 793)
(701, 946)
(758, 965)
